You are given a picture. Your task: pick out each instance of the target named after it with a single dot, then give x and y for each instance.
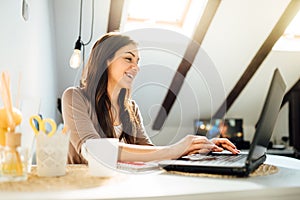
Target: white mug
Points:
(102, 156)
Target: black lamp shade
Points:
(78, 43)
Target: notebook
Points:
(137, 166)
(244, 163)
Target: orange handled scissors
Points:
(41, 125)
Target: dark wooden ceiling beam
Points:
(278, 30)
(187, 61)
(115, 15)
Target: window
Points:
(176, 15)
(290, 40)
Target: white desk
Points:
(283, 185)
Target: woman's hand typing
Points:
(192, 144)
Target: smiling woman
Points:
(102, 108)
(123, 68)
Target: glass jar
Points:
(13, 159)
(1, 158)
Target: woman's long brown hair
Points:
(103, 51)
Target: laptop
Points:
(244, 163)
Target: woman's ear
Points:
(108, 62)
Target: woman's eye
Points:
(129, 59)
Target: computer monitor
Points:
(230, 128)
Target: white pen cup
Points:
(102, 156)
(52, 153)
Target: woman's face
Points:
(123, 68)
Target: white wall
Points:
(27, 53)
(234, 37)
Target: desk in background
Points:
(284, 184)
(289, 152)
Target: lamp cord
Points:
(92, 23)
(90, 39)
(80, 18)
(91, 33)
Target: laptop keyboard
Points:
(216, 158)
